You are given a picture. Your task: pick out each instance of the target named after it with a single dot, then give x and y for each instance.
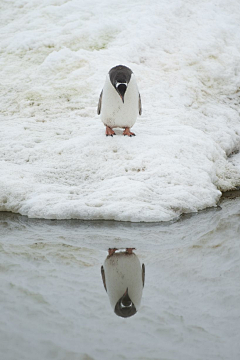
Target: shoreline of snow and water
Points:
(227, 195)
(55, 161)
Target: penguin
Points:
(119, 102)
(123, 278)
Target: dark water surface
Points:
(54, 305)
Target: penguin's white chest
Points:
(114, 112)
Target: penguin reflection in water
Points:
(123, 278)
(120, 102)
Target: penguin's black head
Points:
(125, 307)
(120, 76)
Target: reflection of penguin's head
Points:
(125, 307)
(123, 278)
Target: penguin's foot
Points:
(109, 131)
(128, 132)
(111, 251)
(129, 251)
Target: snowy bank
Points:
(55, 161)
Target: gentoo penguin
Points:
(123, 278)
(119, 102)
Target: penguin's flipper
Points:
(99, 104)
(140, 105)
(103, 277)
(143, 274)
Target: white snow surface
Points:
(55, 160)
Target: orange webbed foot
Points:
(109, 131)
(111, 251)
(128, 132)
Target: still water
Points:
(53, 276)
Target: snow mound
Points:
(55, 161)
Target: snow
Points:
(55, 161)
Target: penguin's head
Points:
(120, 77)
(125, 307)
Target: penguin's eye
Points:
(122, 88)
(121, 84)
(127, 305)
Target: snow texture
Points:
(55, 161)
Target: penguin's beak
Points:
(126, 301)
(121, 89)
(126, 293)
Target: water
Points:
(54, 305)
